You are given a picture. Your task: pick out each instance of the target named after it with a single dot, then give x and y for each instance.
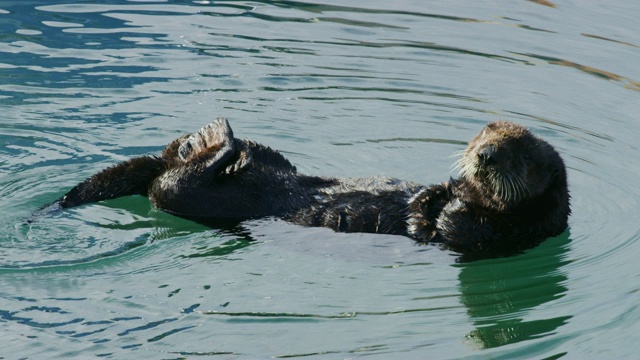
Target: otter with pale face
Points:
(511, 194)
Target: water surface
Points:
(341, 88)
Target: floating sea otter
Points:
(512, 191)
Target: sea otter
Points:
(511, 194)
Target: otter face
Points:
(508, 164)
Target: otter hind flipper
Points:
(215, 147)
(216, 136)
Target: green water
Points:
(341, 88)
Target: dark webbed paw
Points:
(242, 162)
(424, 209)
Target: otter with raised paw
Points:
(511, 194)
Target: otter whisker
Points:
(506, 186)
(466, 168)
(511, 191)
(522, 188)
(456, 164)
(497, 185)
(515, 189)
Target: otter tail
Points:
(131, 177)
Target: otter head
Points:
(506, 165)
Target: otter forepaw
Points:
(242, 163)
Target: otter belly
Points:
(373, 205)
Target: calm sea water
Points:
(347, 88)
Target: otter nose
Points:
(487, 155)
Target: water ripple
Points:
(86, 85)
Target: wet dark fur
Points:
(511, 195)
